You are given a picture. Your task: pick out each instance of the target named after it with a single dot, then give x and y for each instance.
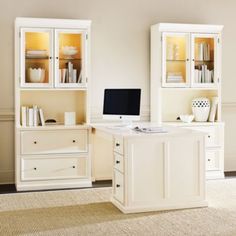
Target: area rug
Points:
(89, 212)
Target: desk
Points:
(157, 171)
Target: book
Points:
(31, 117)
(80, 77)
(42, 121)
(23, 116)
(213, 110)
(74, 75)
(64, 73)
(35, 115)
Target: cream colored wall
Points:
(120, 52)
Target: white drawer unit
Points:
(118, 145)
(118, 186)
(54, 141)
(213, 160)
(119, 162)
(213, 135)
(46, 168)
(214, 149)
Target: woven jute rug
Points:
(89, 212)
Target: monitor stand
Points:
(125, 124)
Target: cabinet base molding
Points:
(215, 175)
(156, 207)
(50, 185)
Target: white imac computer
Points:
(122, 105)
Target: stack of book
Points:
(69, 74)
(203, 75)
(203, 52)
(174, 78)
(32, 116)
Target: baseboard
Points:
(230, 162)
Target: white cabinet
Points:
(158, 171)
(190, 60)
(54, 57)
(185, 65)
(52, 72)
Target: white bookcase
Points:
(186, 64)
(52, 72)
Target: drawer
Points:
(118, 145)
(213, 160)
(119, 162)
(118, 186)
(41, 168)
(213, 135)
(54, 141)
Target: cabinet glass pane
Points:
(70, 58)
(37, 46)
(176, 55)
(204, 60)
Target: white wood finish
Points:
(216, 38)
(84, 34)
(54, 141)
(46, 168)
(159, 171)
(164, 58)
(61, 154)
(169, 101)
(118, 145)
(22, 77)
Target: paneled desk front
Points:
(157, 171)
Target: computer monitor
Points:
(122, 104)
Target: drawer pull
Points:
(73, 167)
(117, 162)
(74, 141)
(117, 144)
(35, 142)
(117, 185)
(209, 159)
(209, 136)
(35, 168)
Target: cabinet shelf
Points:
(176, 60)
(36, 58)
(70, 59)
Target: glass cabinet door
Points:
(175, 53)
(203, 68)
(70, 70)
(36, 67)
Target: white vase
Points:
(201, 109)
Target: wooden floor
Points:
(10, 188)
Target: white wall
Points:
(120, 52)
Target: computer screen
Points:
(122, 103)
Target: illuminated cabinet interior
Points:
(186, 65)
(52, 116)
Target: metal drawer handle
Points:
(209, 159)
(74, 141)
(73, 167)
(117, 162)
(117, 144)
(35, 142)
(209, 136)
(117, 185)
(35, 168)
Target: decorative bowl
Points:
(201, 109)
(186, 118)
(69, 51)
(36, 75)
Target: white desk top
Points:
(112, 129)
